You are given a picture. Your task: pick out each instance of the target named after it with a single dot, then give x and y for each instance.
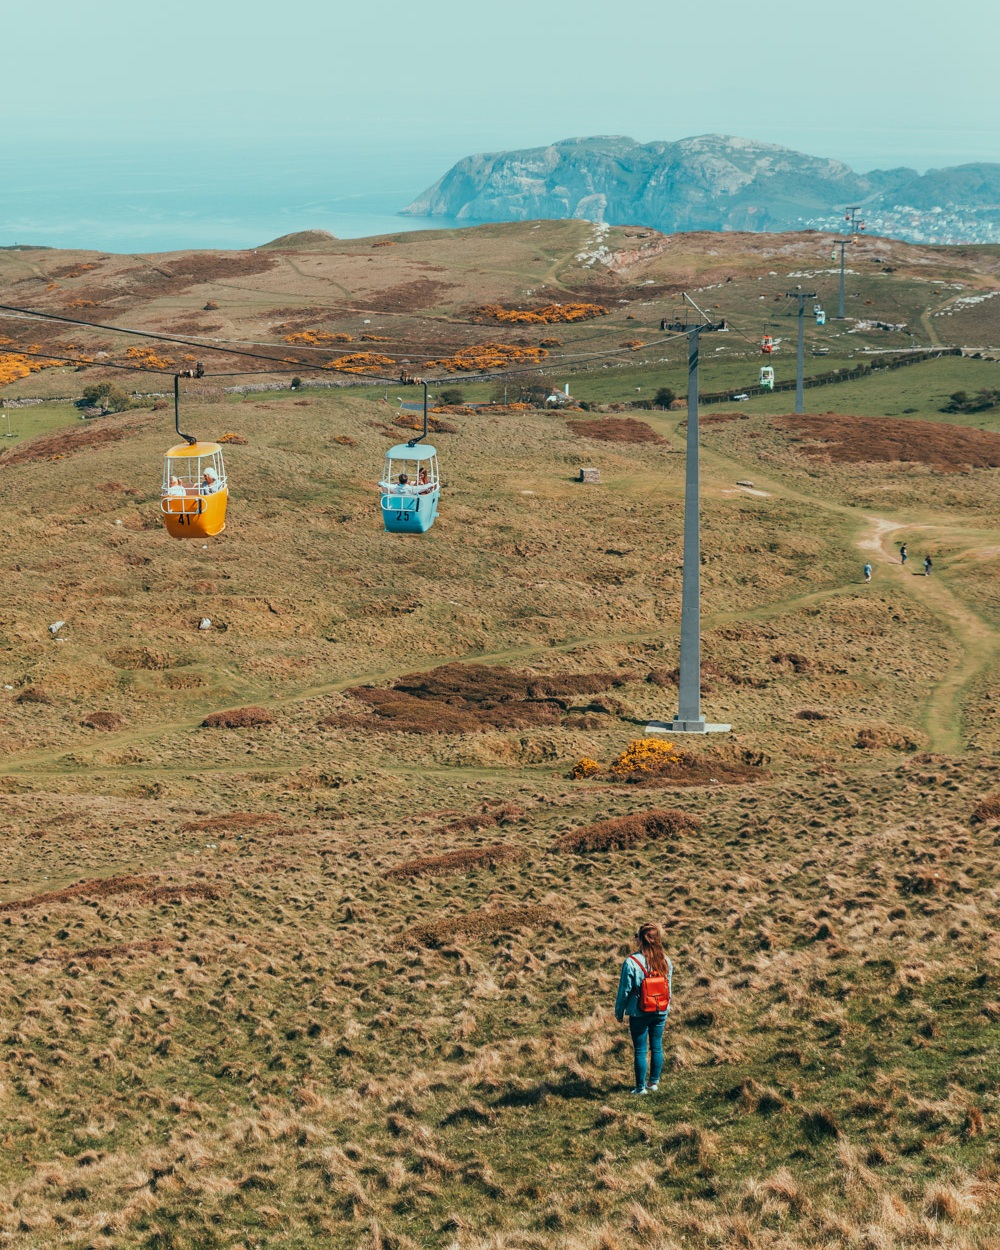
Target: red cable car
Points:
(767, 346)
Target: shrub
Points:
(664, 397)
(646, 755)
(238, 718)
(106, 396)
(451, 395)
(295, 383)
(237, 439)
(585, 767)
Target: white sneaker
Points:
(653, 1088)
(638, 1090)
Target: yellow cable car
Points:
(195, 492)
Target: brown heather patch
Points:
(238, 718)
(878, 738)
(987, 809)
(463, 698)
(616, 430)
(623, 831)
(415, 421)
(107, 721)
(456, 861)
(33, 695)
(231, 821)
(861, 440)
(102, 887)
(120, 950)
(139, 659)
(62, 443)
(475, 924)
(142, 890)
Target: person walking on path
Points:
(868, 572)
(928, 565)
(902, 554)
(644, 991)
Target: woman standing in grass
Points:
(644, 996)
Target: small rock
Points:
(204, 623)
(746, 483)
(55, 627)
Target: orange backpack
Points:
(654, 990)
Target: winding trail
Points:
(978, 639)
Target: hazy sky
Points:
(877, 84)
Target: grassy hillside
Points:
(342, 973)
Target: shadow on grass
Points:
(534, 1095)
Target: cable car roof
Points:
(402, 451)
(194, 449)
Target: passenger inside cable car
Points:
(410, 486)
(194, 494)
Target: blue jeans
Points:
(647, 1030)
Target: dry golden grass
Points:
(323, 982)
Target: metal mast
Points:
(689, 718)
(851, 217)
(801, 296)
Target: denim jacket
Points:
(627, 1002)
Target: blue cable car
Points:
(411, 487)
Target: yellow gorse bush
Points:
(646, 755)
(15, 365)
(146, 358)
(585, 767)
(549, 314)
(316, 338)
(487, 356)
(363, 362)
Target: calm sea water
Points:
(142, 197)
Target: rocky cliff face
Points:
(712, 182)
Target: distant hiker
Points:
(928, 565)
(868, 572)
(644, 990)
(902, 554)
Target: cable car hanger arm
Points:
(198, 372)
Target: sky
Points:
(421, 84)
(207, 123)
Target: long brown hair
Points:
(651, 946)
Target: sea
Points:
(151, 196)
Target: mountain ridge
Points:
(713, 182)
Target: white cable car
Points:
(766, 378)
(820, 317)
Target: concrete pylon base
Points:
(685, 727)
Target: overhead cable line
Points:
(295, 363)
